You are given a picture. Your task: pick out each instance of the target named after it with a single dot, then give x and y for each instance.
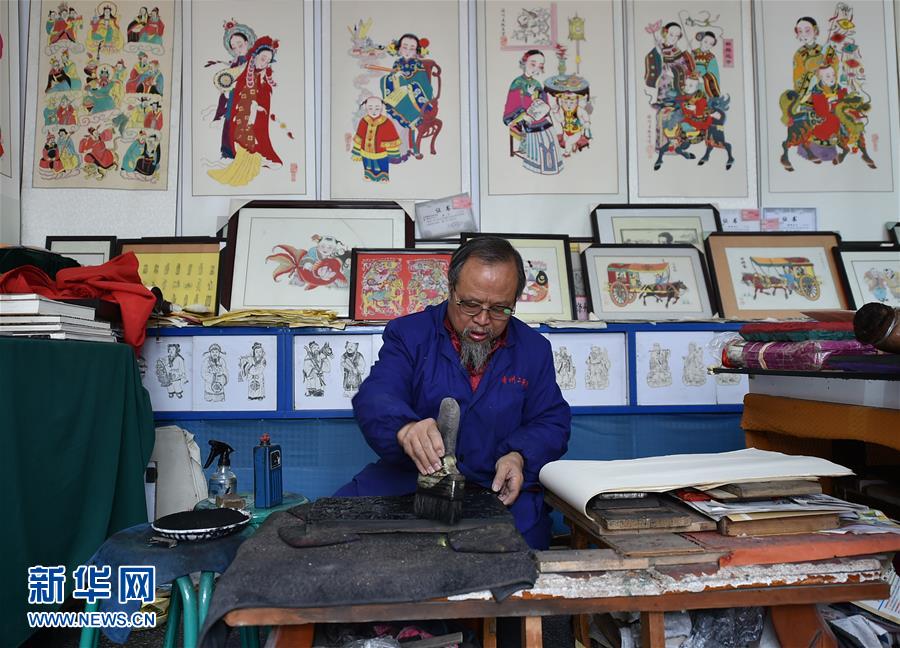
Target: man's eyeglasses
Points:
(473, 308)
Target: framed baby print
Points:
(690, 82)
(297, 254)
(396, 99)
(248, 95)
(777, 274)
(871, 272)
(548, 294)
(386, 284)
(551, 113)
(828, 111)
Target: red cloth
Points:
(474, 378)
(117, 281)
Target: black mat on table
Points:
(378, 567)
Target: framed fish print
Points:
(251, 121)
(828, 110)
(776, 274)
(871, 272)
(386, 284)
(690, 82)
(551, 113)
(296, 254)
(548, 294)
(87, 250)
(647, 282)
(395, 101)
(654, 224)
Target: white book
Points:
(50, 328)
(31, 304)
(52, 319)
(65, 335)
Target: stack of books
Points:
(30, 315)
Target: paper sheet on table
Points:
(576, 482)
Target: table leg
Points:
(174, 618)
(249, 637)
(90, 636)
(581, 622)
(653, 629)
(189, 610)
(532, 632)
(292, 636)
(801, 625)
(207, 584)
(489, 632)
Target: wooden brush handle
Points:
(448, 424)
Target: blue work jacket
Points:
(517, 406)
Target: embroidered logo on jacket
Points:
(515, 380)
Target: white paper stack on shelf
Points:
(577, 482)
(30, 315)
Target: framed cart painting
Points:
(775, 275)
(296, 254)
(871, 272)
(396, 99)
(828, 110)
(647, 282)
(548, 294)
(386, 284)
(690, 80)
(551, 113)
(250, 120)
(652, 224)
(87, 250)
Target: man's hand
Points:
(422, 441)
(509, 478)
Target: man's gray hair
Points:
(490, 250)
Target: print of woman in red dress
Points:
(247, 131)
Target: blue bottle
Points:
(267, 489)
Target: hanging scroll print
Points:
(248, 101)
(104, 95)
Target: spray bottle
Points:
(222, 481)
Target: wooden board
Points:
(644, 545)
(782, 488)
(584, 560)
(780, 525)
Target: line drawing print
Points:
(171, 372)
(694, 372)
(596, 375)
(252, 371)
(565, 368)
(660, 375)
(316, 364)
(215, 374)
(353, 365)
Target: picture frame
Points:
(591, 368)
(870, 272)
(87, 250)
(328, 370)
(577, 245)
(186, 268)
(648, 224)
(296, 254)
(776, 275)
(549, 294)
(389, 283)
(894, 231)
(622, 278)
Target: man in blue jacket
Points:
(513, 416)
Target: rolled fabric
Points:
(796, 331)
(809, 355)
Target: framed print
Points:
(894, 231)
(548, 293)
(385, 284)
(395, 100)
(647, 282)
(551, 113)
(654, 224)
(249, 109)
(437, 244)
(296, 254)
(776, 274)
(235, 373)
(328, 370)
(87, 250)
(871, 272)
(690, 86)
(591, 368)
(166, 366)
(186, 269)
(576, 247)
(828, 111)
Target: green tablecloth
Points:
(76, 432)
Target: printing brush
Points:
(439, 496)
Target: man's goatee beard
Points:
(474, 355)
